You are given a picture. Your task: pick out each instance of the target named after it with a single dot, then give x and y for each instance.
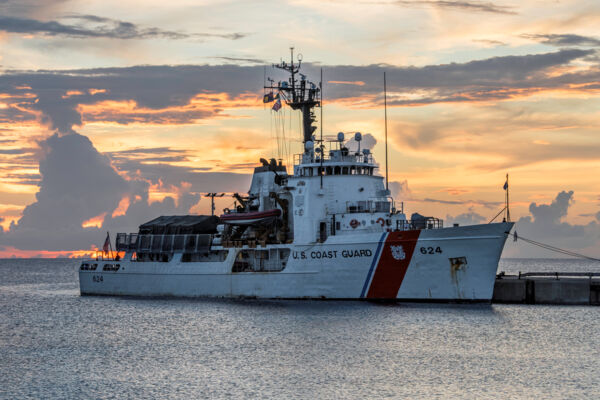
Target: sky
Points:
(115, 112)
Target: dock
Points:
(567, 288)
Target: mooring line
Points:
(516, 237)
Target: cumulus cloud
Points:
(79, 184)
(468, 218)
(546, 219)
(367, 141)
(93, 26)
(400, 190)
(546, 224)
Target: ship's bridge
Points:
(340, 161)
(334, 164)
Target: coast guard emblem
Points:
(398, 252)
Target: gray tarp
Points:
(180, 225)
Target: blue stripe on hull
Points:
(373, 264)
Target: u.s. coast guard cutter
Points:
(330, 230)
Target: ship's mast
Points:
(301, 95)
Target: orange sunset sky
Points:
(115, 112)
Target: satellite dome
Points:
(340, 136)
(357, 136)
(309, 145)
(366, 152)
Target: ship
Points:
(329, 229)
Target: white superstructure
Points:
(329, 230)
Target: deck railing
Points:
(425, 223)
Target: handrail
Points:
(429, 223)
(557, 274)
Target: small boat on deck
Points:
(250, 218)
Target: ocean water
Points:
(55, 344)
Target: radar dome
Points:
(357, 136)
(309, 145)
(340, 136)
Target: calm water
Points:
(56, 344)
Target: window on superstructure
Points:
(328, 171)
(344, 170)
(337, 170)
(352, 170)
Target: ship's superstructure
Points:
(328, 230)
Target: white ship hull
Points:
(450, 264)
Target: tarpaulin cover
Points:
(180, 225)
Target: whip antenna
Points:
(387, 186)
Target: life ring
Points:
(380, 221)
(354, 223)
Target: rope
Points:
(501, 211)
(552, 248)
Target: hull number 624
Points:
(430, 250)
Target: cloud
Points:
(368, 141)
(13, 151)
(187, 93)
(563, 40)
(545, 224)
(490, 42)
(491, 79)
(471, 6)
(241, 60)
(400, 190)
(468, 218)
(487, 204)
(79, 184)
(144, 94)
(92, 26)
(198, 178)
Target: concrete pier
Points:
(574, 288)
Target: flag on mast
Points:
(277, 105)
(268, 98)
(106, 243)
(505, 187)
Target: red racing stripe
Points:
(393, 263)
